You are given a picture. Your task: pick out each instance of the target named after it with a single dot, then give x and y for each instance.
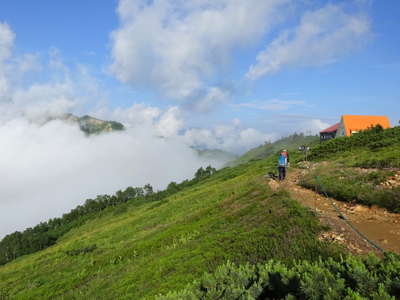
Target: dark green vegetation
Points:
(374, 148)
(347, 278)
(158, 246)
(47, 233)
(290, 143)
(91, 125)
(356, 186)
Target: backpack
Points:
(282, 160)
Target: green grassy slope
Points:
(291, 143)
(162, 246)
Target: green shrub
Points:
(350, 186)
(81, 251)
(345, 278)
(4, 294)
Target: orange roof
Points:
(356, 123)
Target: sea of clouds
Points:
(48, 169)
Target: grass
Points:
(352, 185)
(157, 247)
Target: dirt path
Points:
(377, 224)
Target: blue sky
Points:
(285, 66)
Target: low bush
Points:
(351, 186)
(345, 278)
(4, 294)
(81, 251)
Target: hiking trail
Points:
(379, 225)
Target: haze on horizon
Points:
(221, 74)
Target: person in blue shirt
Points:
(283, 162)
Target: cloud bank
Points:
(49, 169)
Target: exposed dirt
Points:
(379, 225)
(391, 182)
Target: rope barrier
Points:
(346, 220)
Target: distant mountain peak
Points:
(91, 125)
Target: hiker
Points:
(283, 162)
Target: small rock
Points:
(360, 208)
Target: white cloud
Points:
(136, 115)
(7, 37)
(272, 105)
(321, 37)
(178, 47)
(170, 122)
(228, 137)
(286, 124)
(28, 62)
(209, 99)
(312, 126)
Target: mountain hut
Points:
(329, 133)
(350, 124)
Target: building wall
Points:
(341, 130)
(327, 136)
